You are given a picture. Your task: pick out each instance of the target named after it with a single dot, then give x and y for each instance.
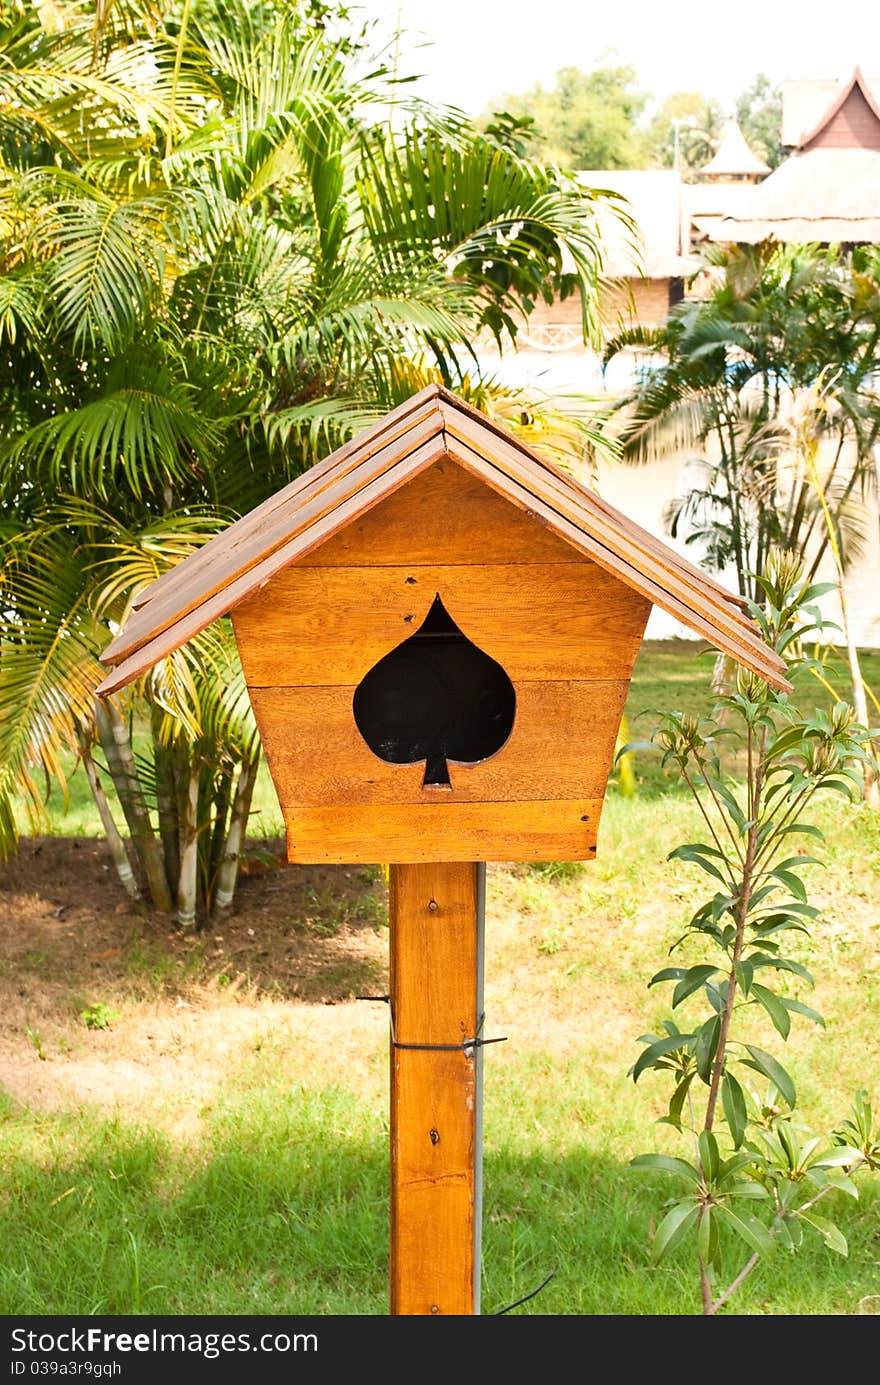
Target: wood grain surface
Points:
(560, 747)
(324, 625)
(443, 515)
(433, 957)
(550, 830)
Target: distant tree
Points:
(585, 120)
(759, 112)
(691, 121)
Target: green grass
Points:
(284, 1208)
(276, 1200)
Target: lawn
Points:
(220, 1146)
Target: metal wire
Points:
(476, 1042)
(525, 1298)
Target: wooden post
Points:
(436, 916)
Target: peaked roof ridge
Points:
(592, 499)
(177, 625)
(246, 524)
(857, 82)
(734, 155)
(433, 424)
(610, 542)
(304, 506)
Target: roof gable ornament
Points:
(852, 121)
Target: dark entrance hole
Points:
(436, 697)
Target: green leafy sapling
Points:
(755, 1178)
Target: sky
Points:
(471, 51)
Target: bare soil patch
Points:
(181, 1008)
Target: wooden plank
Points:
(605, 524)
(593, 498)
(362, 446)
(345, 834)
(664, 589)
(551, 621)
(363, 478)
(228, 596)
(434, 998)
(560, 747)
(442, 513)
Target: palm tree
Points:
(217, 262)
(731, 366)
(772, 380)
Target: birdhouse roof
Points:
(433, 424)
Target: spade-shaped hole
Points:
(436, 697)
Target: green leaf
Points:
(733, 1165)
(744, 971)
(733, 807)
(667, 974)
(657, 1049)
(787, 740)
(840, 1158)
(709, 1156)
(748, 1228)
(799, 1008)
(843, 1183)
(770, 1067)
(759, 959)
(839, 786)
(674, 1227)
(667, 1163)
(734, 1104)
(804, 828)
(774, 1007)
(707, 1043)
(831, 1235)
(807, 911)
(676, 1105)
(791, 1233)
(692, 980)
(815, 590)
(704, 1236)
(697, 855)
(693, 848)
(755, 1192)
(716, 995)
(791, 883)
(795, 862)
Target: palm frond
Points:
(203, 696)
(660, 423)
(146, 434)
(48, 670)
(21, 295)
(491, 217)
(104, 261)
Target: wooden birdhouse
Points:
(438, 630)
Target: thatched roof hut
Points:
(734, 159)
(828, 190)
